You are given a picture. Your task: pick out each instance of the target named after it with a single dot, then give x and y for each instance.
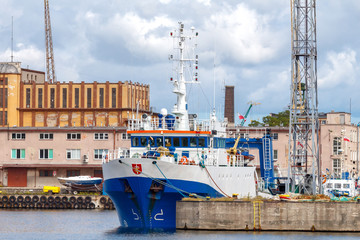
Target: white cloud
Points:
(27, 55)
(243, 35)
(165, 1)
(276, 86)
(205, 2)
(340, 68)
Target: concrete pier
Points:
(268, 216)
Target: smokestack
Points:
(229, 104)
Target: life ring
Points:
(324, 181)
(184, 160)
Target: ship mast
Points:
(180, 109)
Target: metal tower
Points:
(304, 162)
(50, 63)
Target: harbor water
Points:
(102, 224)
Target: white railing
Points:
(115, 154)
(154, 124)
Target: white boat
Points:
(82, 183)
(171, 157)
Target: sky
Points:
(245, 43)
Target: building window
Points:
(337, 168)
(40, 98)
(73, 136)
(46, 173)
(28, 98)
(46, 154)
(18, 153)
(98, 153)
(3, 92)
(101, 136)
(275, 156)
(64, 98)
(98, 173)
(76, 97)
(52, 97)
(101, 97)
(113, 97)
(125, 136)
(275, 136)
(18, 136)
(73, 154)
(46, 136)
(72, 173)
(337, 146)
(89, 97)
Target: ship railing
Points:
(235, 160)
(108, 156)
(156, 124)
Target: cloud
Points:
(27, 55)
(339, 68)
(242, 35)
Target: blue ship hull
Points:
(140, 205)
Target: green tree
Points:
(280, 119)
(255, 123)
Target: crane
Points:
(232, 150)
(50, 63)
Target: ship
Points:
(174, 156)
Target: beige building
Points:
(35, 157)
(338, 145)
(51, 130)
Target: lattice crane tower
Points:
(304, 167)
(50, 63)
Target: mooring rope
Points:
(215, 183)
(164, 183)
(167, 180)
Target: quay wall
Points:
(268, 216)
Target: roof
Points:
(8, 68)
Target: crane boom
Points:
(50, 63)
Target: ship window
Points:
(201, 142)
(337, 185)
(329, 185)
(135, 142)
(346, 185)
(152, 142)
(159, 142)
(193, 142)
(185, 142)
(143, 141)
(176, 142)
(167, 142)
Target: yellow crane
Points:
(232, 150)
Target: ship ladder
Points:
(267, 158)
(257, 215)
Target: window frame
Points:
(73, 136)
(50, 136)
(98, 153)
(48, 154)
(18, 136)
(101, 136)
(75, 154)
(18, 153)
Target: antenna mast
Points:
(12, 39)
(186, 65)
(50, 64)
(304, 163)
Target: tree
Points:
(280, 119)
(255, 123)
